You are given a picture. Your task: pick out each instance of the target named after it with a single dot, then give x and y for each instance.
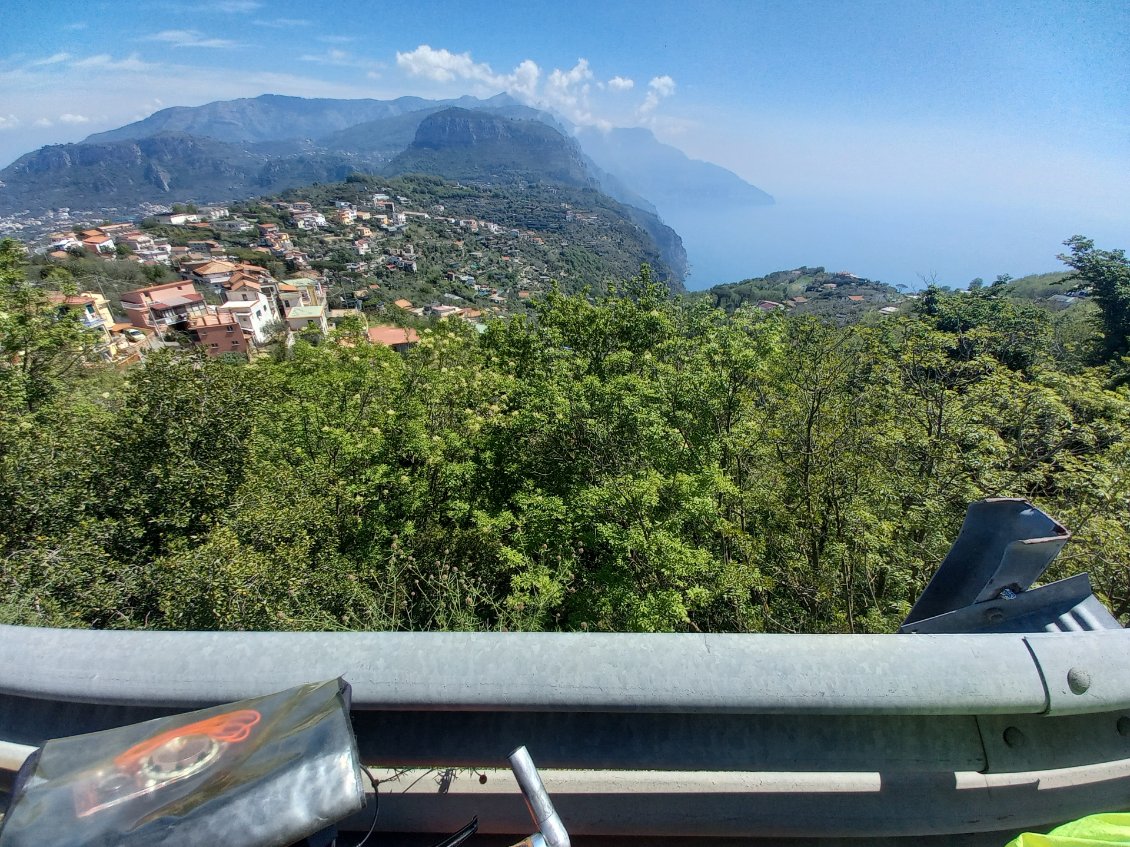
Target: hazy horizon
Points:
(934, 140)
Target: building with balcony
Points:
(162, 306)
(92, 309)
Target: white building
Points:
(252, 309)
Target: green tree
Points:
(1106, 273)
(42, 342)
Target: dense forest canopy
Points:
(635, 463)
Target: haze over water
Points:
(897, 246)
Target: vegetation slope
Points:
(638, 463)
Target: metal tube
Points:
(736, 674)
(537, 799)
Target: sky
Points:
(903, 141)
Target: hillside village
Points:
(235, 279)
(238, 279)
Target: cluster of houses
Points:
(443, 311)
(252, 305)
(359, 223)
(253, 308)
(105, 241)
(228, 305)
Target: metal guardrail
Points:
(692, 735)
(966, 737)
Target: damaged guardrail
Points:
(778, 736)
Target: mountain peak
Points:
(482, 146)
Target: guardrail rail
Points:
(998, 708)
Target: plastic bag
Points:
(264, 772)
(1106, 830)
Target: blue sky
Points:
(901, 139)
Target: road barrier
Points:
(966, 737)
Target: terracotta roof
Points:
(159, 287)
(71, 300)
(215, 268)
(218, 319)
(403, 304)
(176, 300)
(392, 335)
(240, 280)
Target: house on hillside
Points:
(162, 306)
(298, 291)
(441, 311)
(213, 213)
(399, 338)
(92, 309)
(252, 308)
(232, 225)
(64, 241)
(147, 247)
(218, 333)
(206, 246)
(99, 243)
(212, 274)
(307, 317)
(176, 218)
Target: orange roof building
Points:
(399, 338)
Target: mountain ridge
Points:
(369, 133)
(489, 149)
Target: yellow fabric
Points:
(1107, 830)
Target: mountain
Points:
(237, 148)
(630, 164)
(158, 169)
(485, 148)
(478, 146)
(379, 139)
(664, 174)
(274, 117)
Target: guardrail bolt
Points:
(1013, 737)
(1078, 680)
(1123, 726)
